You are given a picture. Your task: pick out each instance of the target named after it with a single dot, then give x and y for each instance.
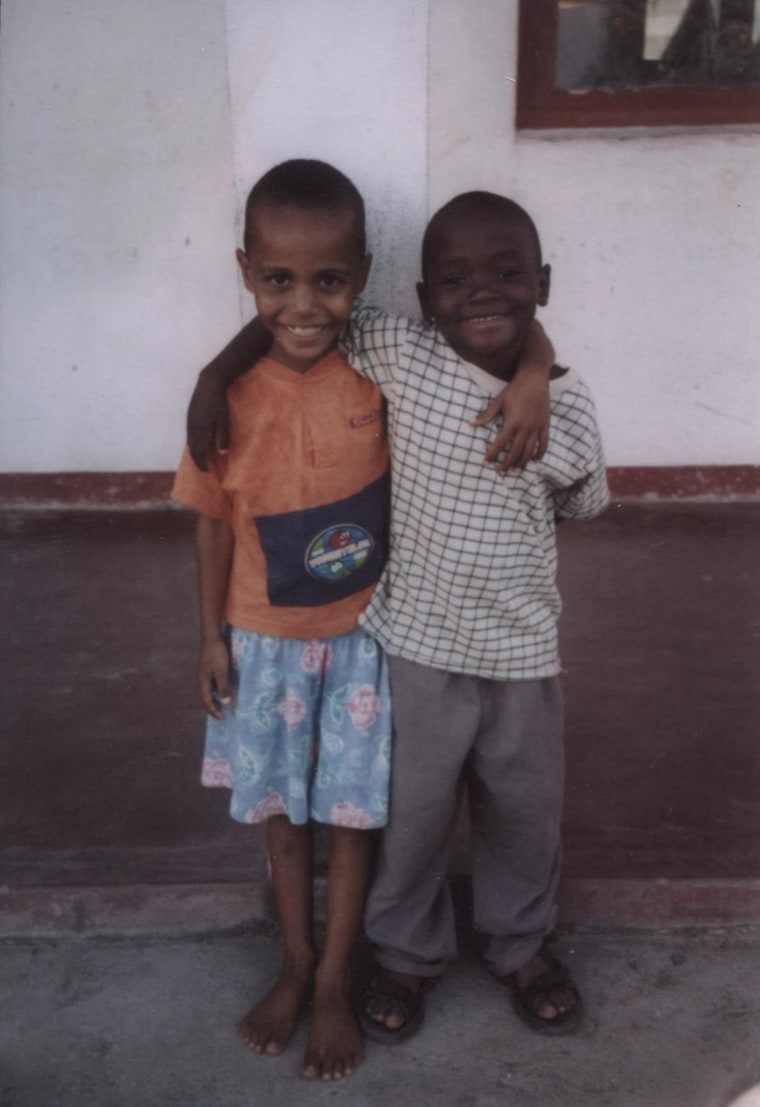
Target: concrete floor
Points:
(673, 1020)
(102, 739)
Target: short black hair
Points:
(306, 183)
(468, 203)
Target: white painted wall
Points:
(654, 241)
(131, 133)
(655, 244)
(344, 81)
(116, 221)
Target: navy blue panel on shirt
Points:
(323, 554)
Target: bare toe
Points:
(335, 1045)
(393, 1006)
(545, 995)
(269, 1026)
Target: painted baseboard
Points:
(192, 909)
(151, 489)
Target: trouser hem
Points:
(394, 962)
(518, 956)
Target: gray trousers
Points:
(502, 741)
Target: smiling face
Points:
(305, 268)
(483, 280)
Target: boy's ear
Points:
(366, 264)
(423, 295)
(245, 269)
(544, 283)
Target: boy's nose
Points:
(303, 299)
(482, 288)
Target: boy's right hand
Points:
(214, 677)
(208, 419)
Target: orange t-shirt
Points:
(305, 488)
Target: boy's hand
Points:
(214, 677)
(524, 405)
(208, 419)
(524, 435)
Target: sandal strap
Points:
(385, 987)
(555, 978)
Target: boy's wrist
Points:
(534, 368)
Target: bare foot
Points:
(268, 1027)
(335, 1045)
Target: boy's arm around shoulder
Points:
(376, 343)
(523, 406)
(208, 415)
(575, 462)
(372, 343)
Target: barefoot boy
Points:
(291, 541)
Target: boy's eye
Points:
(330, 281)
(511, 274)
(279, 280)
(452, 279)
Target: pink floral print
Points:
(292, 710)
(316, 657)
(216, 773)
(273, 804)
(347, 814)
(364, 707)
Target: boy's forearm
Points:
(237, 357)
(537, 354)
(523, 405)
(214, 545)
(208, 417)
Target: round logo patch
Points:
(338, 552)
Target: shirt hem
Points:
(463, 668)
(301, 633)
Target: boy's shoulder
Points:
(574, 421)
(366, 320)
(568, 389)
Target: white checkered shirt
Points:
(469, 586)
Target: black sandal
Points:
(408, 1003)
(527, 999)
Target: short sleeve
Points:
(203, 492)
(574, 464)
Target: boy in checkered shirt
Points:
(467, 610)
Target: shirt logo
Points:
(362, 420)
(339, 552)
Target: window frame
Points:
(540, 106)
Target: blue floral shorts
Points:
(308, 734)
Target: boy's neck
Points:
(507, 373)
(502, 370)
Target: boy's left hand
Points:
(524, 435)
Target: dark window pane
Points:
(618, 44)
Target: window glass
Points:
(624, 44)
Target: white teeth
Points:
(304, 332)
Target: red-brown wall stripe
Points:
(151, 489)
